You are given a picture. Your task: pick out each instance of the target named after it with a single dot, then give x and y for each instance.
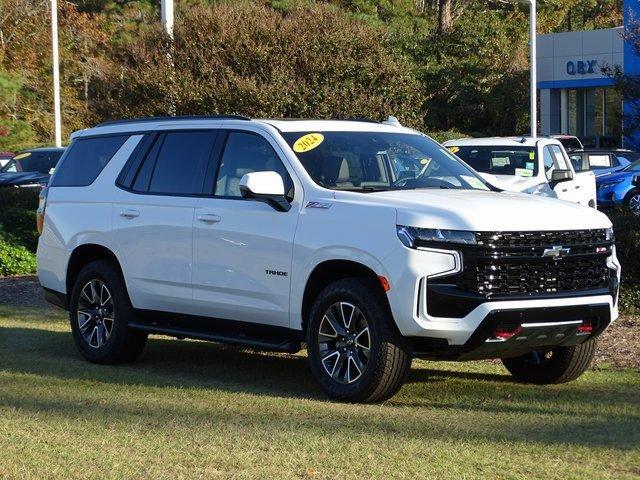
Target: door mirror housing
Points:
(559, 176)
(266, 187)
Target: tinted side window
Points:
(560, 162)
(180, 163)
(576, 161)
(247, 153)
(548, 161)
(85, 160)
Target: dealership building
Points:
(576, 96)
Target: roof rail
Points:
(178, 118)
(356, 119)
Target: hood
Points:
(612, 177)
(22, 178)
(480, 210)
(513, 183)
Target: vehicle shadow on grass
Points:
(199, 365)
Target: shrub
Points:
(626, 227)
(18, 216)
(312, 60)
(15, 259)
(443, 136)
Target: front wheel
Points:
(558, 365)
(633, 202)
(355, 350)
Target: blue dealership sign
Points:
(582, 67)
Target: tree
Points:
(445, 19)
(244, 58)
(628, 83)
(15, 133)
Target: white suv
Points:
(371, 243)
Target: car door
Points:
(243, 248)
(153, 218)
(554, 159)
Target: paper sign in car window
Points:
(474, 182)
(454, 149)
(22, 155)
(523, 172)
(599, 160)
(308, 142)
(529, 165)
(425, 161)
(500, 161)
(532, 155)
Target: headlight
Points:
(412, 236)
(609, 234)
(542, 190)
(602, 186)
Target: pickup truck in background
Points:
(537, 166)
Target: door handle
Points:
(129, 213)
(564, 189)
(208, 218)
(577, 187)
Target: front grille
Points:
(512, 263)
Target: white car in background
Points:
(539, 166)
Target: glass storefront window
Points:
(595, 116)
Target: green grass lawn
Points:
(191, 409)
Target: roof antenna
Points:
(393, 121)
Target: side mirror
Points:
(636, 181)
(266, 187)
(559, 176)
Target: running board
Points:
(258, 337)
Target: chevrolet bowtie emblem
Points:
(556, 252)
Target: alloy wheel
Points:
(344, 342)
(95, 313)
(634, 204)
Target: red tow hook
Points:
(585, 329)
(502, 334)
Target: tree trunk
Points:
(445, 20)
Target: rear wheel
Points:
(99, 314)
(558, 365)
(355, 350)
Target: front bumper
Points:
(520, 331)
(411, 270)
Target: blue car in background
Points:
(617, 188)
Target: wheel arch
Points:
(82, 255)
(330, 271)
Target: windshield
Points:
(632, 167)
(500, 160)
(570, 143)
(376, 161)
(41, 162)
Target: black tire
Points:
(560, 365)
(122, 344)
(389, 354)
(627, 202)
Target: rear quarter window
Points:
(85, 160)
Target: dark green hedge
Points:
(626, 227)
(18, 235)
